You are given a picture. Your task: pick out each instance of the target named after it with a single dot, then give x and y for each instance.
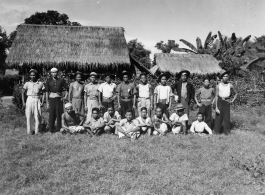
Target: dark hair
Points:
(199, 113)
(129, 111)
(143, 108)
(158, 108)
(110, 106)
(206, 78)
(95, 109)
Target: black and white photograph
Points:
(132, 97)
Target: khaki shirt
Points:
(34, 88)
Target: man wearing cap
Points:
(76, 92)
(126, 94)
(179, 120)
(34, 89)
(107, 92)
(54, 88)
(223, 93)
(145, 93)
(184, 90)
(91, 95)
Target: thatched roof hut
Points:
(69, 47)
(195, 63)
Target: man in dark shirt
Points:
(126, 95)
(184, 90)
(54, 88)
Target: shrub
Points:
(17, 101)
(7, 83)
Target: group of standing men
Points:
(85, 98)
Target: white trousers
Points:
(163, 128)
(33, 109)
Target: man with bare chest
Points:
(76, 92)
(70, 121)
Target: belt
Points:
(54, 95)
(106, 99)
(92, 97)
(78, 98)
(164, 101)
(223, 98)
(126, 100)
(206, 99)
(34, 96)
(144, 98)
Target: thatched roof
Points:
(80, 47)
(195, 63)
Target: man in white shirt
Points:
(111, 119)
(145, 93)
(107, 92)
(179, 120)
(200, 126)
(34, 90)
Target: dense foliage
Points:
(167, 47)
(50, 17)
(7, 83)
(137, 50)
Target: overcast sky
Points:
(149, 20)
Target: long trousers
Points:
(207, 112)
(185, 104)
(33, 109)
(222, 120)
(164, 108)
(55, 112)
(107, 104)
(126, 105)
(144, 102)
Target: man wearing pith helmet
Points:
(184, 90)
(91, 95)
(54, 98)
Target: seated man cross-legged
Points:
(128, 127)
(160, 122)
(145, 122)
(111, 119)
(70, 120)
(179, 120)
(96, 124)
(199, 126)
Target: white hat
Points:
(54, 70)
(67, 105)
(93, 74)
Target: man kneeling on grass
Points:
(145, 122)
(96, 124)
(128, 127)
(111, 119)
(70, 120)
(179, 120)
(160, 122)
(200, 126)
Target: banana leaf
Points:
(207, 39)
(184, 50)
(245, 39)
(189, 44)
(221, 38)
(199, 43)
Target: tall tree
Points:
(137, 50)
(3, 48)
(166, 47)
(50, 18)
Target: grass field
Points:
(76, 164)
